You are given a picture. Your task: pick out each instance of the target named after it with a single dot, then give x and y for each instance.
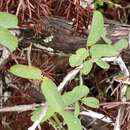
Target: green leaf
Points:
(82, 52)
(25, 71)
(7, 39)
(77, 59)
(97, 28)
(53, 97)
(100, 2)
(36, 113)
(102, 50)
(102, 64)
(72, 122)
(77, 109)
(128, 93)
(68, 98)
(91, 102)
(8, 20)
(76, 94)
(121, 44)
(87, 67)
(107, 40)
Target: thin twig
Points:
(121, 109)
(20, 5)
(29, 54)
(48, 49)
(110, 105)
(96, 115)
(69, 77)
(21, 108)
(4, 57)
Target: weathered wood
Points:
(65, 39)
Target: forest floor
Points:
(34, 49)
(56, 66)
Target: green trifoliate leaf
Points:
(25, 71)
(102, 64)
(102, 50)
(91, 102)
(97, 28)
(76, 94)
(8, 20)
(53, 97)
(121, 44)
(87, 67)
(7, 39)
(77, 59)
(72, 122)
(68, 98)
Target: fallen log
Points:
(60, 35)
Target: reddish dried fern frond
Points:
(31, 13)
(73, 10)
